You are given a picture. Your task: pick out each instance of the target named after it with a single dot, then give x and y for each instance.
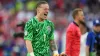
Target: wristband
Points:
(32, 54)
(55, 51)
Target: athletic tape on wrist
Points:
(32, 54)
(55, 51)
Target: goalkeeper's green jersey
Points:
(40, 34)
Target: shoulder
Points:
(32, 21)
(71, 27)
(90, 34)
(86, 33)
(50, 22)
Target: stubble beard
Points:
(81, 22)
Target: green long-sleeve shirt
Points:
(40, 34)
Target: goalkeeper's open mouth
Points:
(46, 14)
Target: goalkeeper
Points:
(38, 33)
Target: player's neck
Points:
(83, 31)
(39, 19)
(77, 22)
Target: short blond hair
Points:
(75, 12)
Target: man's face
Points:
(80, 16)
(43, 11)
(96, 28)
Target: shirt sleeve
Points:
(69, 40)
(52, 32)
(28, 33)
(88, 40)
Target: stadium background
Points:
(14, 13)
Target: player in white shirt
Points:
(84, 32)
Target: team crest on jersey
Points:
(49, 29)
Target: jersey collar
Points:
(75, 23)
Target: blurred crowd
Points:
(14, 14)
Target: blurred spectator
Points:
(84, 31)
(93, 40)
